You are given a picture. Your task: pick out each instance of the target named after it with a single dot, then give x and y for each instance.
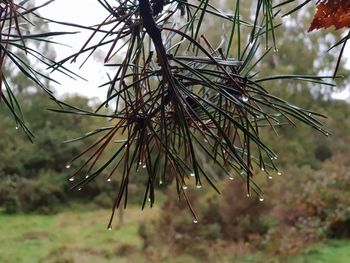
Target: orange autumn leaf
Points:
(331, 13)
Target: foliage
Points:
(331, 13)
(306, 204)
(179, 99)
(183, 101)
(21, 43)
(306, 199)
(34, 177)
(77, 236)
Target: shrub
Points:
(222, 218)
(322, 152)
(42, 194)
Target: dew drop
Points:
(199, 186)
(109, 180)
(195, 221)
(140, 163)
(68, 166)
(245, 98)
(275, 157)
(205, 140)
(71, 179)
(192, 174)
(248, 194)
(160, 182)
(270, 177)
(262, 169)
(261, 198)
(144, 166)
(79, 189)
(327, 134)
(184, 187)
(149, 199)
(279, 173)
(109, 228)
(231, 178)
(86, 177)
(275, 50)
(17, 128)
(309, 113)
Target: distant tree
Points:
(178, 100)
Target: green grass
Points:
(70, 237)
(81, 236)
(337, 251)
(331, 251)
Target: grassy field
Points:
(81, 236)
(333, 251)
(70, 237)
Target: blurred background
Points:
(304, 215)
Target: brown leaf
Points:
(331, 13)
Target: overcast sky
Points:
(88, 12)
(84, 12)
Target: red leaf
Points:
(331, 13)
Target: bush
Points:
(222, 218)
(322, 152)
(103, 200)
(42, 194)
(11, 203)
(339, 229)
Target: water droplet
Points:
(279, 173)
(262, 169)
(86, 177)
(109, 180)
(248, 194)
(68, 166)
(144, 166)
(17, 128)
(223, 151)
(140, 163)
(270, 177)
(261, 198)
(192, 174)
(205, 140)
(275, 50)
(275, 157)
(79, 189)
(71, 179)
(309, 113)
(160, 182)
(327, 134)
(199, 186)
(245, 98)
(109, 228)
(231, 178)
(195, 221)
(184, 187)
(149, 199)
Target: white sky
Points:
(88, 12)
(84, 12)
